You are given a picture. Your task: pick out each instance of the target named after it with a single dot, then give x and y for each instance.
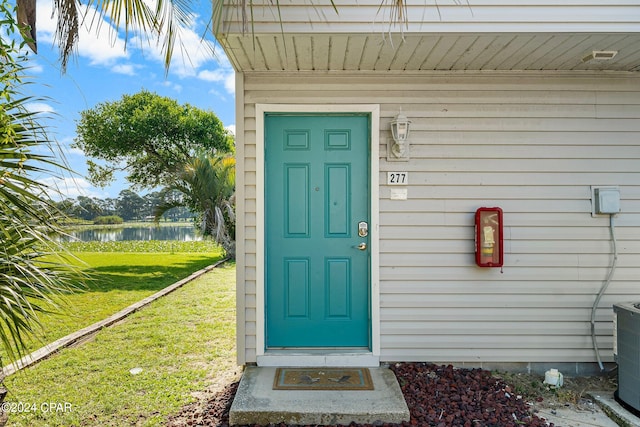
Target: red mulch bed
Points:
(437, 396)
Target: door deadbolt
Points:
(363, 229)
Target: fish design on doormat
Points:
(322, 379)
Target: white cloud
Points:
(101, 51)
(231, 128)
(171, 85)
(225, 76)
(189, 54)
(35, 68)
(39, 107)
(70, 187)
(191, 50)
(98, 40)
(126, 69)
(45, 23)
(211, 76)
(66, 145)
(101, 44)
(230, 82)
(75, 151)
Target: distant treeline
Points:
(128, 205)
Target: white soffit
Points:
(422, 52)
(490, 35)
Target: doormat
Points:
(322, 379)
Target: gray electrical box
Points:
(605, 200)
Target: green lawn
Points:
(122, 274)
(180, 342)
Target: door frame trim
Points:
(374, 113)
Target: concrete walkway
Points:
(257, 403)
(601, 411)
(614, 410)
(574, 417)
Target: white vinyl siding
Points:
(530, 143)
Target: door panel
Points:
(296, 189)
(338, 209)
(317, 191)
(338, 285)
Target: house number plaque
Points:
(397, 178)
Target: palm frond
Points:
(159, 25)
(207, 186)
(33, 276)
(67, 28)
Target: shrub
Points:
(109, 219)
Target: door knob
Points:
(362, 246)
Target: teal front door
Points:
(317, 258)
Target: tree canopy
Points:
(147, 135)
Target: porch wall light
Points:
(398, 149)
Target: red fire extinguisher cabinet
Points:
(489, 248)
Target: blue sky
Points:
(103, 69)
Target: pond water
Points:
(185, 233)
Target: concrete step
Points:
(257, 403)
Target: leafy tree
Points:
(151, 135)
(207, 186)
(151, 200)
(129, 205)
(89, 208)
(174, 214)
(33, 274)
(107, 206)
(66, 206)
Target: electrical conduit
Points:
(612, 270)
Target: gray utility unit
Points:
(627, 353)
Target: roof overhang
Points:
(421, 52)
(493, 35)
